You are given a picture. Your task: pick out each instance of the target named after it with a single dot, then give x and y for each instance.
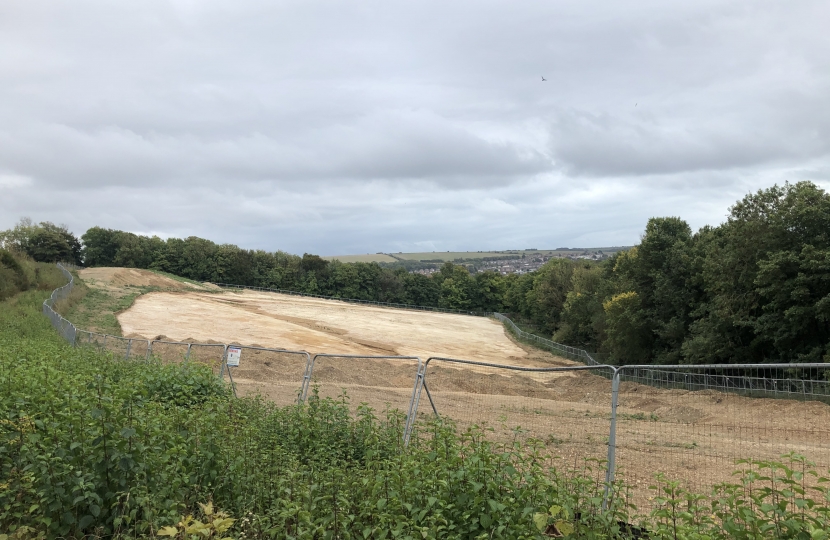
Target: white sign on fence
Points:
(233, 356)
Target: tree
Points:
(421, 290)
(546, 298)
(626, 329)
(456, 285)
(764, 275)
(100, 246)
(583, 317)
(44, 242)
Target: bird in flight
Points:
(543, 78)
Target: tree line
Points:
(754, 289)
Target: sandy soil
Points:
(693, 436)
(118, 278)
(315, 325)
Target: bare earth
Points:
(119, 278)
(694, 436)
(315, 325)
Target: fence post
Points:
(413, 404)
(129, 346)
(309, 364)
(612, 436)
(224, 361)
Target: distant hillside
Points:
(455, 256)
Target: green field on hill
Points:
(450, 256)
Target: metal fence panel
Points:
(137, 349)
(209, 354)
(96, 340)
(567, 408)
(118, 346)
(385, 383)
(276, 374)
(693, 424)
(169, 352)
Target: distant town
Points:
(512, 261)
(527, 262)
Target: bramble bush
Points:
(93, 446)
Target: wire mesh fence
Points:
(279, 375)
(691, 423)
(572, 353)
(209, 354)
(385, 383)
(566, 408)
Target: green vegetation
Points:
(367, 258)
(92, 446)
(95, 309)
(751, 290)
(43, 242)
(18, 273)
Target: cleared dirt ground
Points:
(315, 325)
(117, 279)
(694, 436)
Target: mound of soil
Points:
(134, 277)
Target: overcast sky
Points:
(355, 127)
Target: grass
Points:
(367, 258)
(96, 308)
(95, 447)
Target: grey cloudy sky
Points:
(338, 127)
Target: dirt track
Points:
(692, 436)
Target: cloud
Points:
(334, 127)
(12, 181)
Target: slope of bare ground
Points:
(693, 436)
(316, 325)
(120, 278)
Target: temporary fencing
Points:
(383, 382)
(65, 328)
(513, 402)
(280, 375)
(573, 353)
(691, 423)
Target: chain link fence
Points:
(693, 423)
(565, 408)
(689, 422)
(281, 376)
